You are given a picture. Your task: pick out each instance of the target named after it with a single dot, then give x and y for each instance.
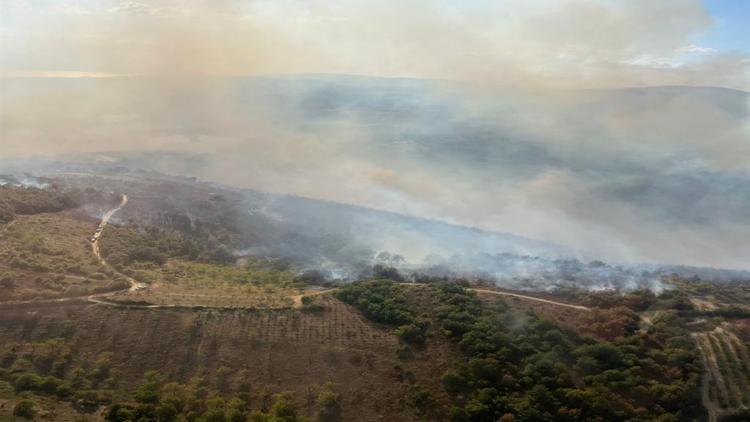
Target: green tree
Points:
(329, 406)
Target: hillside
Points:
(214, 335)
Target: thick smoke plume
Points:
(514, 119)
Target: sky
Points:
(593, 43)
(729, 30)
(510, 115)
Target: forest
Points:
(16, 200)
(518, 366)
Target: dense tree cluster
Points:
(29, 200)
(124, 246)
(157, 401)
(519, 366)
(48, 368)
(522, 367)
(383, 301)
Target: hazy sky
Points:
(552, 42)
(518, 142)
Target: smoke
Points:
(538, 43)
(512, 121)
(22, 180)
(536, 273)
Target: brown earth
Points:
(271, 350)
(605, 324)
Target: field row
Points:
(728, 368)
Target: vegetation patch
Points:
(383, 301)
(29, 200)
(48, 255)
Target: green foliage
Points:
(383, 301)
(28, 200)
(147, 393)
(454, 382)
(47, 368)
(413, 333)
(520, 367)
(421, 398)
(24, 409)
(379, 300)
(329, 406)
(124, 246)
(161, 402)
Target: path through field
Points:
(726, 383)
(99, 297)
(134, 284)
(537, 299)
(296, 299)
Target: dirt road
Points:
(105, 220)
(134, 284)
(98, 297)
(537, 299)
(298, 298)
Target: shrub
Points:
(413, 333)
(329, 406)
(28, 382)
(24, 409)
(453, 381)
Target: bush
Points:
(329, 406)
(421, 398)
(453, 381)
(284, 408)
(378, 300)
(24, 409)
(413, 333)
(120, 413)
(28, 382)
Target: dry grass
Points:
(193, 284)
(49, 255)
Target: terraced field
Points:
(727, 388)
(269, 350)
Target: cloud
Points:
(571, 43)
(695, 49)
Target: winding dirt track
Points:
(135, 285)
(536, 299)
(105, 220)
(98, 297)
(298, 298)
